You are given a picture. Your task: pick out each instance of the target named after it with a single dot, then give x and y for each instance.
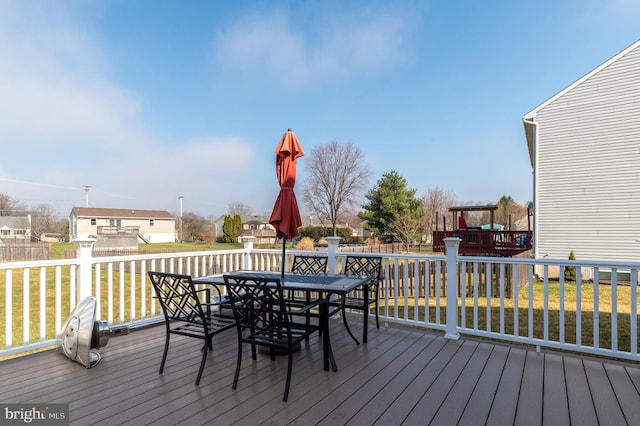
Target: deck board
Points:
(603, 395)
(478, 405)
(451, 410)
(529, 410)
(401, 375)
(581, 409)
(505, 404)
(555, 406)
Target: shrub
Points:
(305, 243)
(570, 271)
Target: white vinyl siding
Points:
(587, 167)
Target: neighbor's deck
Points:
(401, 376)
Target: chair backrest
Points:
(257, 302)
(178, 297)
(310, 265)
(364, 266)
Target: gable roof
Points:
(8, 222)
(529, 119)
(120, 213)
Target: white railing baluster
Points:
(43, 304)
(530, 308)
(26, 303)
(488, 293)
(110, 292)
(132, 289)
(58, 299)
(502, 296)
(121, 289)
(614, 309)
(578, 306)
(596, 310)
(476, 277)
(561, 310)
(97, 280)
(8, 305)
(143, 289)
(634, 311)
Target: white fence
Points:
(499, 298)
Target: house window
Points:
(20, 232)
(115, 222)
(6, 232)
(93, 221)
(152, 222)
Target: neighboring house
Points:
(15, 228)
(149, 226)
(584, 145)
(255, 226)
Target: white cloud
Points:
(66, 122)
(270, 45)
(54, 84)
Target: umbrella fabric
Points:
(462, 223)
(285, 216)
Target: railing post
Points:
(247, 242)
(452, 244)
(84, 248)
(332, 248)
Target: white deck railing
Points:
(516, 300)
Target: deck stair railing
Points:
(524, 301)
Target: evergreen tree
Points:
(393, 211)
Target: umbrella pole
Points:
(284, 246)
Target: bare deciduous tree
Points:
(510, 214)
(11, 207)
(336, 180)
(238, 208)
(43, 219)
(436, 200)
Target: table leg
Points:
(327, 351)
(366, 315)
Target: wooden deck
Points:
(401, 376)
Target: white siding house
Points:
(150, 226)
(15, 228)
(584, 145)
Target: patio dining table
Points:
(324, 285)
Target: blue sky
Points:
(149, 100)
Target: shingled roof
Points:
(121, 213)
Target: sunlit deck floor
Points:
(401, 376)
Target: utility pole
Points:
(86, 195)
(180, 225)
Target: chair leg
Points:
(346, 325)
(204, 360)
(365, 316)
(289, 370)
(238, 364)
(377, 318)
(164, 354)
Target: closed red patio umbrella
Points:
(285, 216)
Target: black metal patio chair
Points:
(306, 265)
(263, 319)
(365, 296)
(186, 315)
